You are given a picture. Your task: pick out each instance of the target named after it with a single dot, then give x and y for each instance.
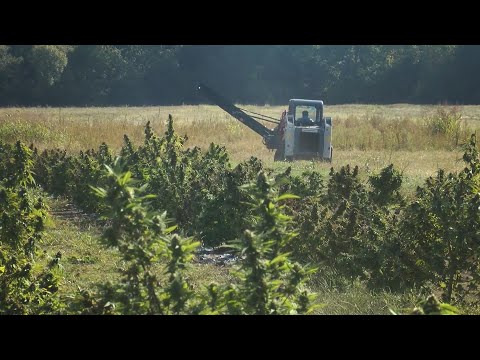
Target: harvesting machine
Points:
(301, 133)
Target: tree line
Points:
(136, 75)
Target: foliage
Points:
(60, 174)
(360, 228)
(15, 165)
(49, 62)
(26, 287)
(386, 186)
(441, 228)
(269, 281)
(25, 290)
(431, 306)
(143, 238)
(379, 237)
(165, 74)
(444, 122)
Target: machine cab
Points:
(308, 132)
(305, 112)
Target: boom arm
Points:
(235, 112)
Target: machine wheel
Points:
(279, 155)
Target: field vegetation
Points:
(104, 211)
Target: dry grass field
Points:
(370, 136)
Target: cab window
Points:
(305, 115)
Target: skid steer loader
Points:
(302, 133)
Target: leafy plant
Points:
(431, 306)
(442, 227)
(143, 239)
(268, 281)
(25, 287)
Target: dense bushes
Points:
(26, 287)
(442, 228)
(372, 233)
(266, 281)
(200, 190)
(361, 229)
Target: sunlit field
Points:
(370, 136)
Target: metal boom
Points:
(235, 112)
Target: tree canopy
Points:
(102, 75)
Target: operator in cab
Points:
(305, 120)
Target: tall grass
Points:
(442, 129)
(371, 136)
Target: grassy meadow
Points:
(370, 136)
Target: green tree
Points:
(49, 62)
